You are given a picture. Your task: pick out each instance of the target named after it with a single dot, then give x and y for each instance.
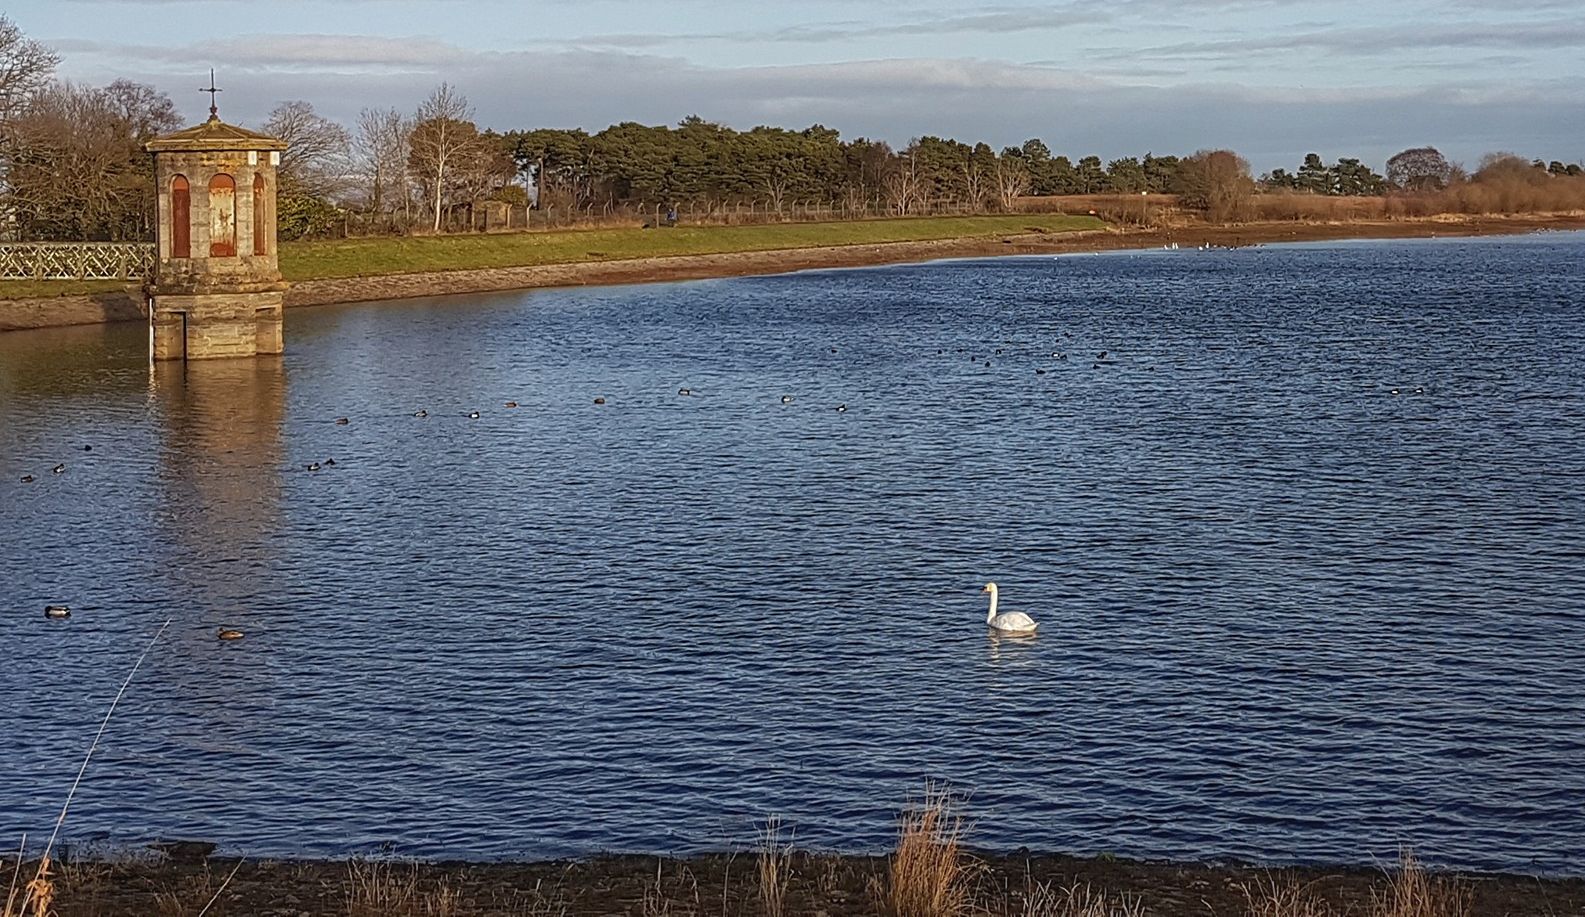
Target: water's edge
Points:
(129, 305)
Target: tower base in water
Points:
(202, 326)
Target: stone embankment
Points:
(127, 305)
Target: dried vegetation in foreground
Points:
(929, 874)
(807, 885)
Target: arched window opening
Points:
(222, 217)
(260, 220)
(181, 219)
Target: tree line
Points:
(72, 165)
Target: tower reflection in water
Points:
(221, 466)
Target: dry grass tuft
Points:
(38, 897)
(775, 866)
(1415, 893)
(196, 896)
(681, 900)
(13, 905)
(928, 875)
(1047, 900)
(378, 888)
(1268, 897)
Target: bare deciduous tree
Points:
(1012, 179)
(905, 183)
(75, 166)
(1218, 182)
(381, 151)
(1420, 169)
(25, 67)
(443, 135)
(315, 160)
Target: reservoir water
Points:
(1307, 547)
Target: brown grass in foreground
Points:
(928, 875)
(1266, 896)
(1415, 893)
(1410, 892)
(1078, 900)
(775, 863)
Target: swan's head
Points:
(990, 589)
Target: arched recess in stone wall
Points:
(222, 216)
(260, 219)
(181, 218)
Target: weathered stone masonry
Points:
(217, 288)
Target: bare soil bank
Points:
(20, 314)
(833, 886)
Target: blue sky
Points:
(1273, 79)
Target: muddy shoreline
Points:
(832, 885)
(100, 308)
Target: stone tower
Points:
(217, 286)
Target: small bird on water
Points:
(57, 612)
(473, 415)
(313, 466)
(842, 409)
(420, 413)
(511, 404)
(599, 401)
(342, 421)
(685, 391)
(59, 469)
(786, 399)
(27, 479)
(330, 462)
(227, 633)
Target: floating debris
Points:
(227, 633)
(57, 612)
(185, 852)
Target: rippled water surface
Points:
(1308, 549)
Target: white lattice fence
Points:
(76, 260)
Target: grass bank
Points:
(404, 255)
(337, 259)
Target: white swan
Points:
(1011, 622)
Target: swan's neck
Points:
(991, 615)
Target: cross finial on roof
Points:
(214, 110)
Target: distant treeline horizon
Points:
(72, 166)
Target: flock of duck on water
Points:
(1012, 623)
(1007, 622)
